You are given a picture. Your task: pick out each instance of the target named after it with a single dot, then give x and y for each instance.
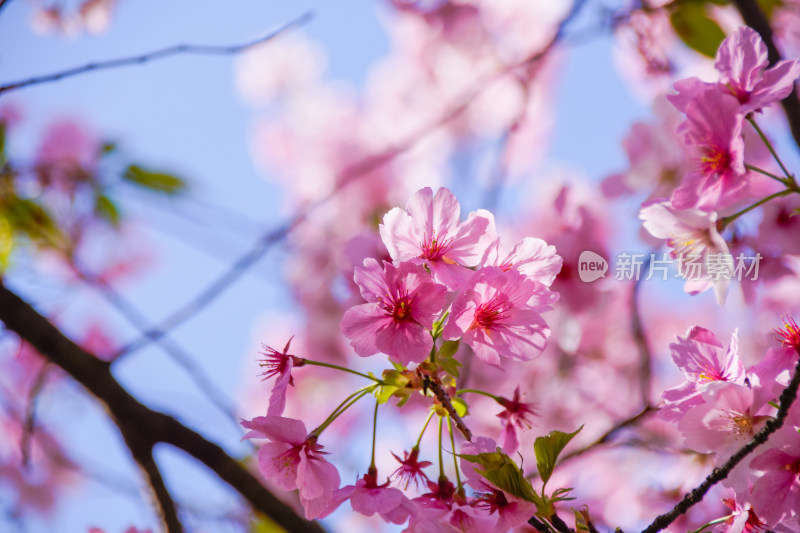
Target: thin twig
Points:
(200, 49)
(176, 353)
(132, 417)
(602, 439)
(788, 396)
(29, 426)
(640, 337)
(444, 400)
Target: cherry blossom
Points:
(428, 231)
(403, 303)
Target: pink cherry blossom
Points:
(726, 419)
(499, 315)
(403, 303)
(428, 231)
(741, 62)
(700, 357)
(533, 257)
(293, 460)
(367, 497)
(701, 251)
(515, 414)
(713, 136)
(279, 364)
(411, 468)
(776, 494)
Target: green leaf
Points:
(446, 359)
(6, 243)
(438, 326)
(394, 385)
(696, 29)
(154, 181)
(28, 217)
(2, 144)
(547, 450)
(504, 474)
(460, 406)
(768, 6)
(105, 208)
(108, 147)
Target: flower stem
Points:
(424, 428)
(374, 433)
(771, 150)
(343, 369)
(712, 523)
(724, 221)
(344, 406)
(455, 458)
(476, 391)
(768, 174)
(441, 461)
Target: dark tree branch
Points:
(176, 353)
(718, 474)
(756, 19)
(132, 417)
(199, 49)
(142, 452)
(445, 402)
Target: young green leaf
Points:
(548, 448)
(105, 208)
(696, 29)
(154, 181)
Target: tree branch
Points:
(718, 474)
(134, 418)
(444, 400)
(756, 19)
(142, 452)
(199, 49)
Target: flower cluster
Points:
(497, 299)
(720, 408)
(712, 135)
(450, 283)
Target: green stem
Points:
(455, 458)
(771, 149)
(724, 221)
(343, 369)
(344, 406)
(433, 352)
(441, 461)
(423, 429)
(374, 433)
(712, 523)
(768, 174)
(476, 391)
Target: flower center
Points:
(434, 248)
(489, 313)
(715, 160)
(397, 307)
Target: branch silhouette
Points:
(196, 49)
(137, 421)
